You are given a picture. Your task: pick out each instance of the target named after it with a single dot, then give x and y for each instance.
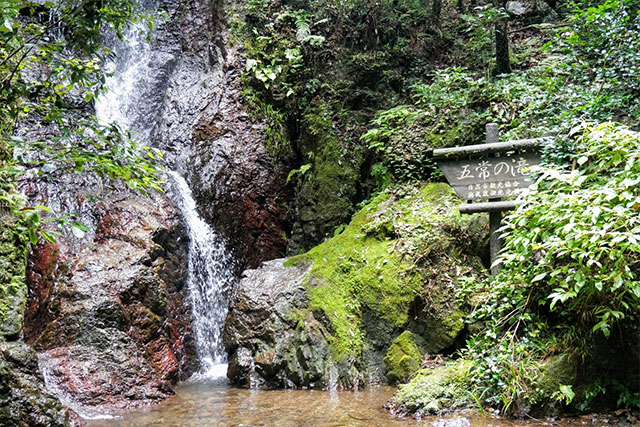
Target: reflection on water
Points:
(216, 404)
(207, 404)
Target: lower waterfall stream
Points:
(209, 275)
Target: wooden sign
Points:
(490, 172)
(490, 177)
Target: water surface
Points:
(207, 403)
(210, 404)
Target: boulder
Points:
(112, 329)
(404, 358)
(327, 318)
(268, 344)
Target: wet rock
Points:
(203, 125)
(268, 345)
(113, 329)
(24, 399)
(23, 395)
(516, 8)
(451, 422)
(96, 380)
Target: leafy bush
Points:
(50, 56)
(605, 46)
(571, 271)
(576, 240)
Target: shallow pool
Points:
(209, 403)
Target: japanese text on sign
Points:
(490, 178)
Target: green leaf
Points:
(33, 237)
(78, 229)
(539, 277)
(567, 392)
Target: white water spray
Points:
(130, 75)
(210, 274)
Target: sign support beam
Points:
(495, 217)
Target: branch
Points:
(29, 40)
(540, 27)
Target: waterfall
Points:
(129, 79)
(132, 90)
(210, 274)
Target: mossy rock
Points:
(557, 371)
(326, 192)
(403, 359)
(13, 288)
(395, 267)
(434, 390)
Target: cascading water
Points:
(127, 83)
(128, 102)
(209, 275)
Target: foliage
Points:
(577, 239)
(571, 268)
(349, 55)
(422, 85)
(51, 55)
(451, 110)
(605, 46)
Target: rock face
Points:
(107, 311)
(113, 329)
(207, 133)
(267, 343)
(327, 318)
(23, 395)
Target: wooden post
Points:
(495, 243)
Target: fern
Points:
(303, 32)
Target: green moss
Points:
(557, 371)
(13, 291)
(353, 269)
(403, 359)
(326, 193)
(369, 268)
(13, 247)
(435, 389)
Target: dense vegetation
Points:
(367, 90)
(51, 56)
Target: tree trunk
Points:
(436, 8)
(503, 64)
